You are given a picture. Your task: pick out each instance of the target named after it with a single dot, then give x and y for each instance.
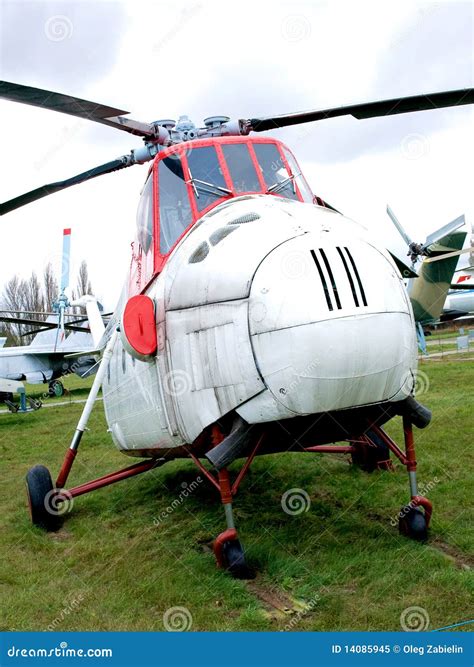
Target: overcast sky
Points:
(245, 59)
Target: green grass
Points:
(441, 348)
(339, 566)
(449, 333)
(76, 389)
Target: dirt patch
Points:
(60, 535)
(461, 560)
(276, 603)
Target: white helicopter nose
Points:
(330, 325)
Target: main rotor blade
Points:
(66, 326)
(398, 225)
(43, 324)
(65, 262)
(51, 188)
(390, 107)
(36, 312)
(440, 233)
(74, 106)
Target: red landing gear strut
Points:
(412, 521)
(228, 550)
(48, 502)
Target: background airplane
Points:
(48, 357)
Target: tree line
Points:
(36, 295)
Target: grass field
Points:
(128, 554)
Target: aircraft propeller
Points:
(417, 250)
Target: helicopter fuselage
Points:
(267, 307)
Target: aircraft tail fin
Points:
(428, 292)
(46, 337)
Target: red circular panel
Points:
(139, 325)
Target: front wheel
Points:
(412, 523)
(234, 560)
(40, 490)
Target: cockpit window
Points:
(175, 209)
(274, 171)
(145, 216)
(300, 179)
(241, 167)
(206, 176)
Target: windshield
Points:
(145, 216)
(303, 186)
(274, 171)
(175, 209)
(241, 167)
(206, 176)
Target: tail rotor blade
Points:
(398, 225)
(440, 233)
(448, 255)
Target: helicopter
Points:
(256, 318)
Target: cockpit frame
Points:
(196, 195)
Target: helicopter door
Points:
(142, 264)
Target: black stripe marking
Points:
(331, 277)
(323, 280)
(351, 282)
(359, 282)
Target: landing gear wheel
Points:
(40, 490)
(412, 523)
(56, 389)
(371, 457)
(234, 560)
